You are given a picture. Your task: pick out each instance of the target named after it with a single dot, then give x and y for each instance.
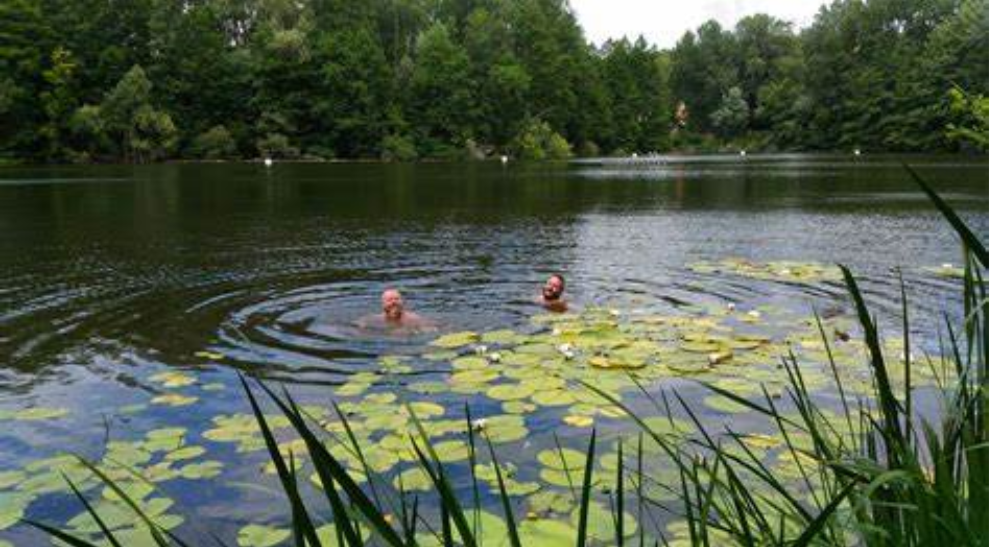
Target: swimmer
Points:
(394, 315)
(552, 294)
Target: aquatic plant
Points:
(864, 467)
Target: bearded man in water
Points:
(552, 294)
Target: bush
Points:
(398, 148)
(215, 144)
(537, 141)
(276, 145)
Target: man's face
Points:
(553, 289)
(392, 305)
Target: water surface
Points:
(112, 274)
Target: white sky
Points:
(663, 22)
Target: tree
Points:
(215, 144)
(442, 92)
(731, 118)
(58, 101)
(141, 133)
(972, 119)
(538, 142)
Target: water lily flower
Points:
(494, 357)
(481, 350)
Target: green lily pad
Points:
(456, 340)
(38, 414)
(567, 458)
(173, 379)
(201, 470)
(414, 478)
(470, 363)
(511, 392)
(10, 479)
(601, 522)
(256, 535)
(551, 501)
(174, 400)
(518, 407)
(185, 453)
(724, 404)
(547, 533)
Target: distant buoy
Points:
(857, 152)
(504, 160)
(268, 162)
(743, 153)
(947, 266)
(635, 156)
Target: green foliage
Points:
(215, 144)
(398, 148)
(337, 78)
(539, 142)
(276, 145)
(973, 113)
(140, 132)
(732, 116)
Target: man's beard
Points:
(551, 296)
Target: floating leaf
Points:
(11, 478)
(456, 340)
(38, 414)
(173, 379)
(555, 459)
(185, 453)
(210, 355)
(174, 400)
(255, 535)
(579, 421)
(547, 533)
(511, 392)
(724, 404)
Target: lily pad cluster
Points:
(784, 270)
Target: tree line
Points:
(147, 80)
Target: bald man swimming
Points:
(395, 315)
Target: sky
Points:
(663, 22)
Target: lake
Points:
(132, 296)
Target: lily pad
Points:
(174, 400)
(173, 379)
(456, 340)
(256, 535)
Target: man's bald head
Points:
(392, 305)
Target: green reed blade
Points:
(585, 491)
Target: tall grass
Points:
(877, 473)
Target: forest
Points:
(152, 80)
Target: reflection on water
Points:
(111, 273)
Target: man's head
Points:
(554, 287)
(392, 305)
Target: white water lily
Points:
(494, 357)
(731, 306)
(568, 351)
(481, 350)
(754, 314)
(479, 424)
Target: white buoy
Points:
(504, 160)
(268, 162)
(743, 153)
(857, 152)
(635, 156)
(947, 266)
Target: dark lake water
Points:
(110, 275)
